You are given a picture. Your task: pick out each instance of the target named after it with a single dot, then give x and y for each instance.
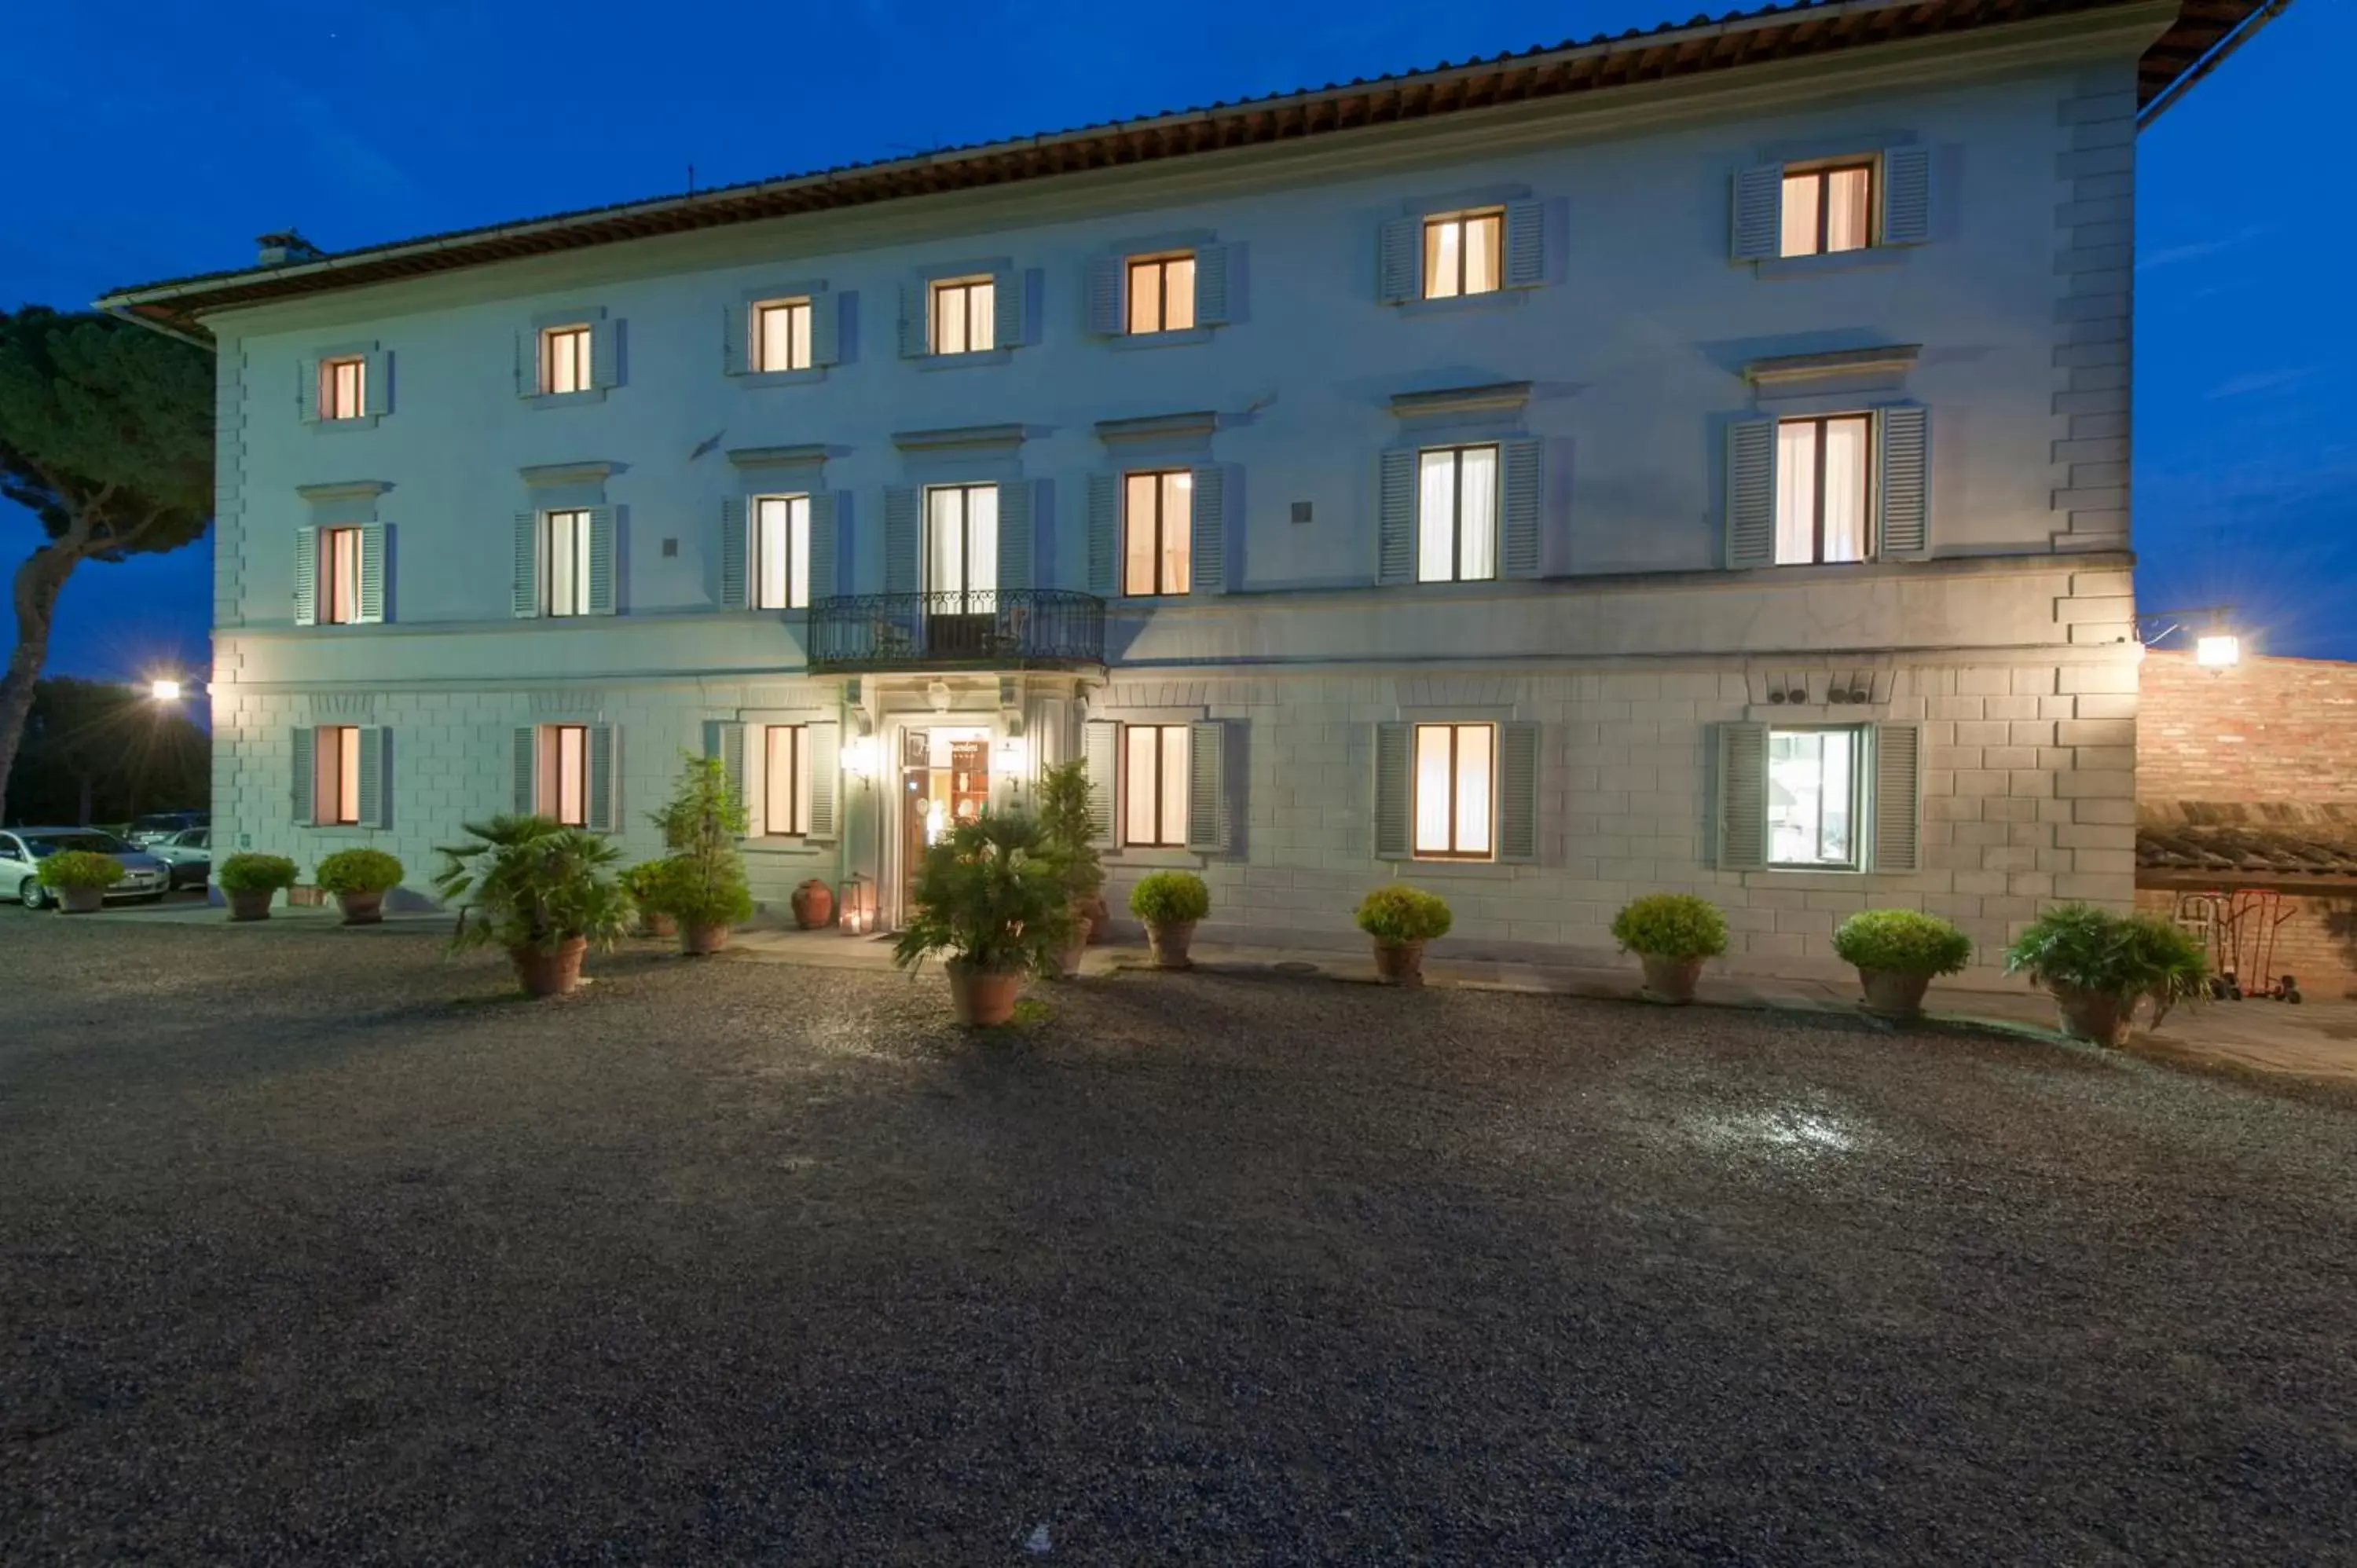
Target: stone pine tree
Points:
(106, 435)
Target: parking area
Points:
(319, 1247)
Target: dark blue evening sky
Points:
(156, 139)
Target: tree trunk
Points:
(38, 582)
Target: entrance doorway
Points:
(944, 781)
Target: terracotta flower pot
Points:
(81, 900)
(813, 904)
(2097, 1016)
(982, 998)
(703, 940)
(1399, 963)
(655, 923)
(1894, 994)
(1099, 917)
(550, 973)
(361, 908)
(1669, 979)
(1169, 940)
(1067, 958)
(252, 905)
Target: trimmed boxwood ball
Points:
(80, 869)
(1170, 896)
(255, 873)
(1902, 941)
(1396, 912)
(1671, 925)
(358, 871)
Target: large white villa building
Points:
(1695, 460)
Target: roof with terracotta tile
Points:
(2235, 844)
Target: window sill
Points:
(1454, 305)
(1179, 338)
(1471, 870)
(1150, 601)
(1146, 858)
(809, 377)
(565, 400)
(334, 426)
(784, 848)
(1838, 262)
(963, 361)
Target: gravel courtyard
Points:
(313, 1248)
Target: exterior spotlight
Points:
(2217, 650)
(164, 691)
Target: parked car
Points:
(158, 826)
(22, 849)
(189, 853)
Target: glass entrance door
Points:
(944, 781)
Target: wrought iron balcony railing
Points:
(1002, 629)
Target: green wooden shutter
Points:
(900, 539)
(1396, 516)
(1742, 797)
(1208, 545)
(1101, 750)
(1399, 261)
(1104, 295)
(1392, 745)
(1901, 492)
(603, 564)
(1207, 786)
(606, 352)
(725, 738)
(1105, 534)
(1518, 791)
(1750, 493)
(1214, 285)
(734, 543)
(735, 339)
(525, 590)
(303, 780)
(1906, 196)
(827, 327)
(375, 562)
(915, 300)
(1016, 505)
(826, 508)
(602, 813)
(376, 777)
(824, 750)
(1006, 325)
(306, 577)
(307, 391)
(378, 382)
(523, 791)
(1898, 796)
(1526, 244)
(1758, 226)
(1522, 509)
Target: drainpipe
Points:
(2243, 34)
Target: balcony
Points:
(1006, 628)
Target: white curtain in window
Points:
(772, 551)
(1178, 294)
(1845, 209)
(1140, 495)
(1442, 241)
(1481, 248)
(1435, 517)
(568, 563)
(1476, 513)
(348, 774)
(1173, 791)
(1802, 194)
(1846, 490)
(1141, 766)
(1796, 493)
(1177, 529)
(945, 539)
(1473, 788)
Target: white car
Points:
(190, 855)
(22, 849)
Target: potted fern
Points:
(1671, 933)
(540, 889)
(701, 883)
(359, 879)
(1401, 920)
(80, 878)
(2099, 965)
(1170, 903)
(1898, 952)
(249, 882)
(1064, 822)
(992, 896)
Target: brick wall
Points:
(2264, 730)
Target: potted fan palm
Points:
(249, 881)
(1671, 933)
(1170, 903)
(1064, 820)
(701, 883)
(992, 896)
(80, 878)
(1898, 952)
(2099, 965)
(1401, 920)
(359, 879)
(642, 883)
(540, 889)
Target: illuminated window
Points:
(1828, 209)
(566, 553)
(785, 781)
(1453, 786)
(961, 546)
(1162, 294)
(1813, 791)
(336, 776)
(1823, 489)
(1461, 254)
(343, 388)
(339, 576)
(964, 315)
(1154, 785)
(563, 782)
(1457, 514)
(565, 359)
(781, 553)
(781, 335)
(1158, 514)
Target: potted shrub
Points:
(642, 883)
(1401, 920)
(702, 885)
(994, 898)
(1170, 902)
(814, 903)
(80, 878)
(359, 879)
(540, 890)
(2098, 965)
(1671, 933)
(1896, 952)
(1064, 819)
(248, 881)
